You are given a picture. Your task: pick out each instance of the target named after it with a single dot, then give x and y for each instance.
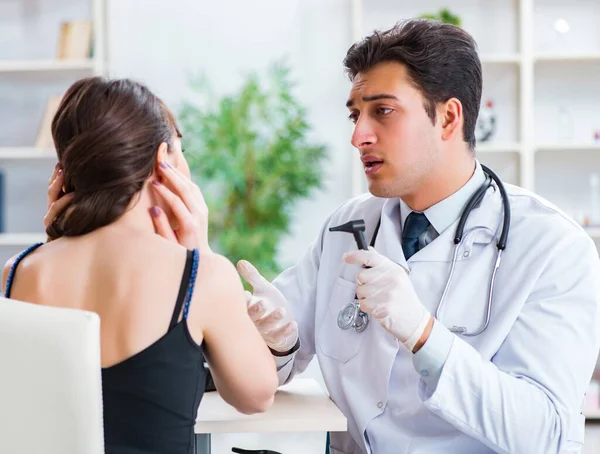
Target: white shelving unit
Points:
(566, 57)
(538, 56)
(569, 147)
(21, 239)
(500, 58)
(16, 66)
(30, 73)
(26, 153)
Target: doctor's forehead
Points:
(390, 79)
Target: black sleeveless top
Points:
(151, 399)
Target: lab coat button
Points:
(424, 373)
(466, 254)
(379, 404)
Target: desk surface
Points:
(300, 406)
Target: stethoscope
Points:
(351, 316)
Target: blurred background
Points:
(259, 90)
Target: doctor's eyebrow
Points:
(371, 98)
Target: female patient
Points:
(162, 306)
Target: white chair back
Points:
(50, 380)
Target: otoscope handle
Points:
(359, 237)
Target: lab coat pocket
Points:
(336, 343)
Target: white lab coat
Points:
(516, 388)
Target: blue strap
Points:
(13, 269)
(192, 282)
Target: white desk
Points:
(300, 406)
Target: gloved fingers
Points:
(369, 275)
(370, 290)
(361, 257)
(256, 310)
(252, 276)
(248, 295)
(371, 305)
(283, 337)
(270, 321)
(283, 331)
(381, 312)
(377, 310)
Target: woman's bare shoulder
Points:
(217, 279)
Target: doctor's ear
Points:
(450, 115)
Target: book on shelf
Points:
(75, 42)
(44, 136)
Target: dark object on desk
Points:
(253, 451)
(210, 384)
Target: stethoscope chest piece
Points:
(352, 317)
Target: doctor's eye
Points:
(353, 117)
(384, 111)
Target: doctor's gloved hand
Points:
(269, 310)
(385, 291)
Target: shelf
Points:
(500, 58)
(498, 147)
(16, 153)
(45, 65)
(593, 232)
(21, 239)
(569, 147)
(567, 57)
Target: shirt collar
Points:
(443, 214)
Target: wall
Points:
(163, 43)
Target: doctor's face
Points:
(392, 131)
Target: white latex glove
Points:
(269, 310)
(385, 291)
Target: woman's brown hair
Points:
(106, 133)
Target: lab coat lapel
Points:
(389, 237)
(482, 226)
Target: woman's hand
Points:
(57, 200)
(187, 204)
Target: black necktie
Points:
(414, 226)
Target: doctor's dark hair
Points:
(441, 60)
(106, 134)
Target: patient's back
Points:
(153, 375)
(133, 280)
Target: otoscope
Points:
(356, 227)
(351, 316)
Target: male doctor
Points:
(407, 383)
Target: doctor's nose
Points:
(363, 135)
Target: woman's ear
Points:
(162, 152)
(161, 156)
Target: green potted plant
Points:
(251, 156)
(445, 16)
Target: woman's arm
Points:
(241, 364)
